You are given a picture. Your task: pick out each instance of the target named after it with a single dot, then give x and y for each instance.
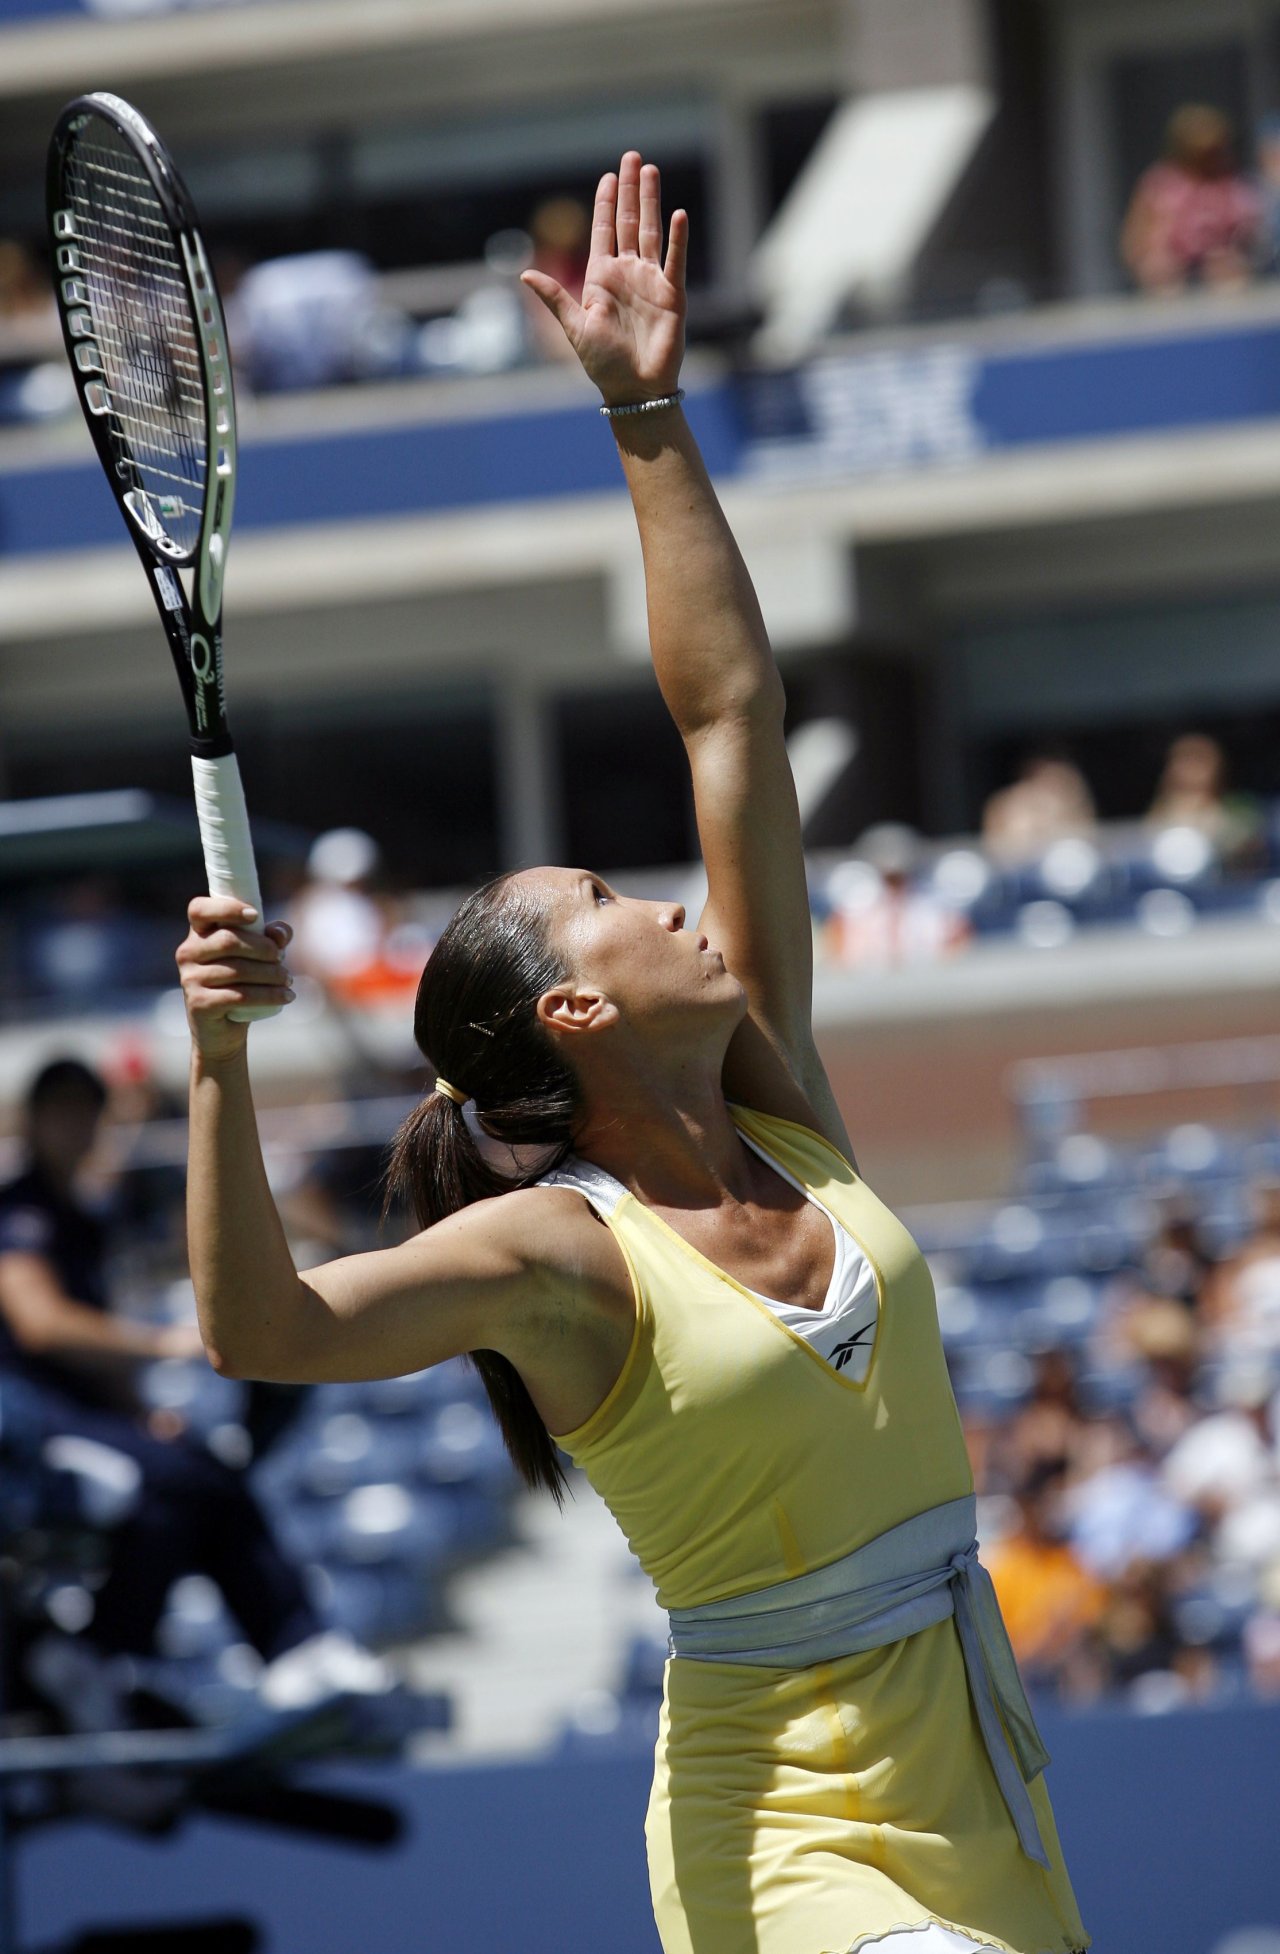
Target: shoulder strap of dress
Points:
(803, 1147)
(599, 1187)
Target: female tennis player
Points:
(698, 1299)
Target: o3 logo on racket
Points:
(204, 671)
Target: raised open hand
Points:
(628, 330)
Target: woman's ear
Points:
(568, 1010)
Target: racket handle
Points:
(228, 847)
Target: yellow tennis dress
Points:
(805, 1810)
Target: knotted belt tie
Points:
(904, 1580)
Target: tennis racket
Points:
(148, 349)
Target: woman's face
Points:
(634, 952)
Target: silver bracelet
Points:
(644, 406)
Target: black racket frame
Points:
(192, 627)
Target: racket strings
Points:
(140, 312)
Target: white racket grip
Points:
(228, 847)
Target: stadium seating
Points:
(378, 1489)
(1157, 882)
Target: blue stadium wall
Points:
(847, 416)
(1170, 1825)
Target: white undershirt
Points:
(842, 1331)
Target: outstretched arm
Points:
(710, 650)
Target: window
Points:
(625, 778)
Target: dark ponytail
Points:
(476, 1024)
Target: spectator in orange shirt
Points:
(347, 937)
(1049, 1601)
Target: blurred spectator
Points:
(1152, 1318)
(85, 948)
(1049, 801)
(56, 1330)
(74, 951)
(561, 232)
(1165, 1338)
(1231, 1463)
(1262, 1637)
(1193, 218)
(1048, 1429)
(67, 1368)
(1269, 191)
(879, 918)
(1242, 1301)
(347, 937)
(1143, 1651)
(1175, 1263)
(1048, 1598)
(337, 924)
(1120, 1512)
(314, 320)
(1189, 792)
(25, 293)
(1192, 793)
(492, 329)
(148, 1194)
(1228, 1461)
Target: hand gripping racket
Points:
(148, 348)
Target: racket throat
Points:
(196, 644)
(150, 512)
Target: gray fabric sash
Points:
(906, 1579)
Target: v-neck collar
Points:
(837, 1246)
(857, 1385)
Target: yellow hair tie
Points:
(450, 1092)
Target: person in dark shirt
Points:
(55, 1326)
(67, 1365)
